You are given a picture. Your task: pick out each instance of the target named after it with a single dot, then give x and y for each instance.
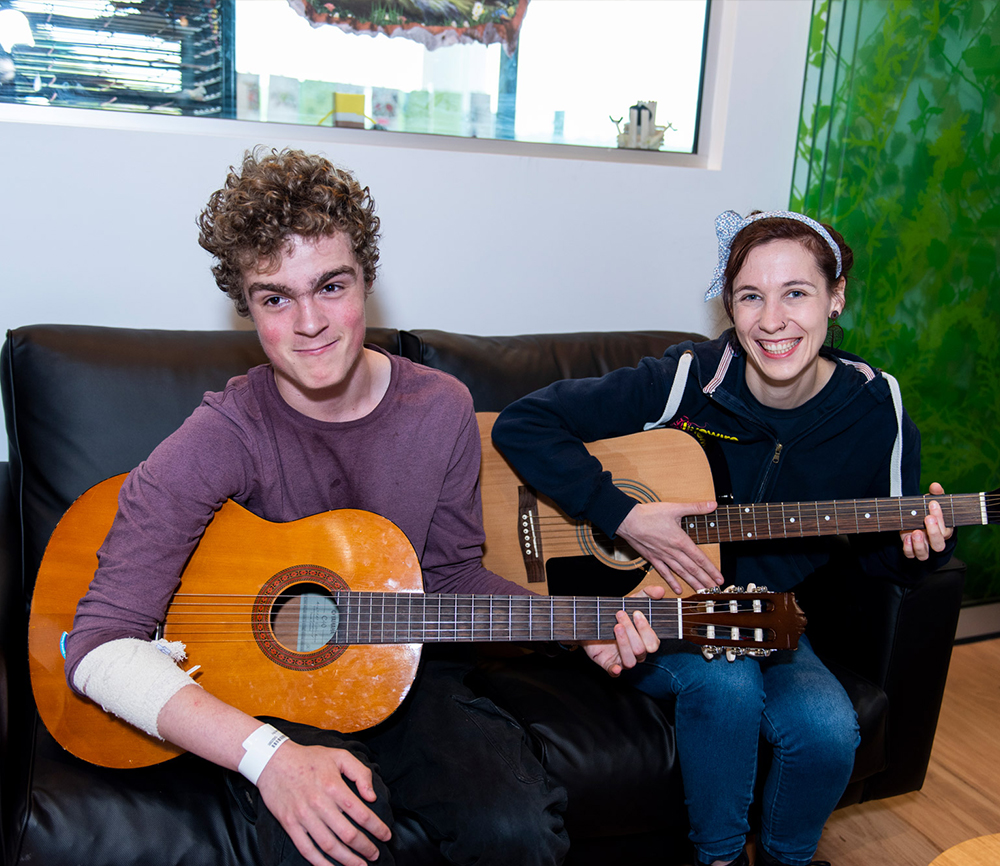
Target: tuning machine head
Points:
(750, 587)
(733, 653)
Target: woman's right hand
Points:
(305, 789)
(654, 531)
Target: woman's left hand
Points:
(918, 543)
(634, 638)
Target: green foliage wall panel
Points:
(899, 148)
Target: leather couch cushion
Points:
(499, 370)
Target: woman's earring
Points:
(834, 333)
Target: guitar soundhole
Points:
(295, 617)
(615, 553)
(615, 550)
(305, 618)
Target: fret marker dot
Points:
(914, 513)
(791, 520)
(712, 524)
(746, 510)
(749, 535)
(868, 514)
(827, 517)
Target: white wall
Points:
(97, 209)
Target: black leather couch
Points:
(85, 403)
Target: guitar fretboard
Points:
(749, 620)
(849, 516)
(400, 617)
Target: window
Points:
(165, 56)
(599, 73)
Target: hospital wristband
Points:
(260, 747)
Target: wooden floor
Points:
(960, 798)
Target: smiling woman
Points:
(792, 419)
(784, 281)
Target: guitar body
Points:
(248, 666)
(655, 465)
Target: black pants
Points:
(456, 763)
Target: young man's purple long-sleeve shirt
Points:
(413, 460)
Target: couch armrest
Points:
(898, 637)
(9, 603)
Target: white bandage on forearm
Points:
(133, 679)
(260, 748)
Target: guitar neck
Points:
(748, 620)
(836, 517)
(400, 617)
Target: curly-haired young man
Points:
(328, 423)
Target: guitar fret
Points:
(823, 526)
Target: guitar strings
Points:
(566, 622)
(740, 522)
(967, 504)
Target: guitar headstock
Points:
(992, 500)
(743, 622)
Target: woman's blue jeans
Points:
(722, 708)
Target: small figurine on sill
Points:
(641, 131)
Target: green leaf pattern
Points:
(899, 149)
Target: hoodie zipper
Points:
(775, 458)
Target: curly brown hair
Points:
(277, 194)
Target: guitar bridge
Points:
(529, 536)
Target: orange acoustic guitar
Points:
(321, 620)
(525, 531)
